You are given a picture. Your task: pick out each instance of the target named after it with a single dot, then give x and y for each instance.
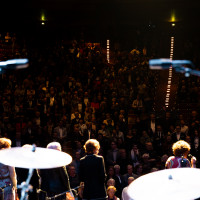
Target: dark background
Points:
(131, 23)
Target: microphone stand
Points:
(25, 187)
(58, 195)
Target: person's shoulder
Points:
(83, 158)
(98, 156)
(171, 158)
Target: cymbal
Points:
(42, 158)
(173, 184)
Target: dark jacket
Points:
(92, 172)
(54, 181)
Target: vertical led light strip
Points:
(170, 74)
(108, 51)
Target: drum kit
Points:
(32, 157)
(173, 184)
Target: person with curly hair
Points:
(92, 172)
(180, 150)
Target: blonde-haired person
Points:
(180, 150)
(111, 193)
(92, 172)
(8, 177)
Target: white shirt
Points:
(125, 195)
(184, 129)
(178, 135)
(153, 127)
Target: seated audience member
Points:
(60, 131)
(76, 161)
(118, 174)
(149, 149)
(139, 170)
(112, 154)
(137, 104)
(167, 145)
(184, 127)
(111, 193)
(120, 144)
(79, 148)
(123, 160)
(177, 134)
(119, 133)
(120, 180)
(73, 176)
(147, 165)
(110, 182)
(134, 155)
(129, 174)
(111, 175)
(129, 140)
(144, 138)
(158, 139)
(125, 195)
(82, 126)
(163, 161)
(104, 131)
(195, 146)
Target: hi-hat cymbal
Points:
(173, 184)
(41, 158)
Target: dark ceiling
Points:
(98, 12)
(102, 18)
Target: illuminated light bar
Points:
(108, 51)
(170, 73)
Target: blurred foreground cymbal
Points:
(41, 158)
(173, 184)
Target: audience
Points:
(68, 98)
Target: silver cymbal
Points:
(42, 158)
(173, 184)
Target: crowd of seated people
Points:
(70, 96)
